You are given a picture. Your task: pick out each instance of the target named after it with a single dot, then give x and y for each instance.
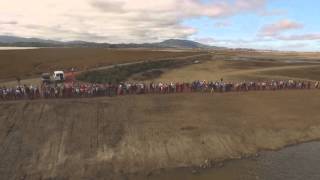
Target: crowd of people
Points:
(69, 90)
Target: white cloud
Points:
(113, 20)
(275, 29)
(274, 12)
(301, 37)
(258, 43)
(8, 22)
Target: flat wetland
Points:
(140, 136)
(32, 62)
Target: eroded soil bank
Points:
(109, 138)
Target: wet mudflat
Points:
(292, 163)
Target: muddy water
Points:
(293, 163)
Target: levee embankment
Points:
(109, 138)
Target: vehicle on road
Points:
(58, 76)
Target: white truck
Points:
(58, 76)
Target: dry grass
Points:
(30, 63)
(243, 70)
(110, 137)
(312, 73)
(26, 63)
(103, 138)
(269, 55)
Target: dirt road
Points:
(110, 138)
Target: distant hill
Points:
(14, 39)
(177, 43)
(36, 42)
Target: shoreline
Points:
(211, 164)
(4, 48)
(215, 165)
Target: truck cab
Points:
(58, 76)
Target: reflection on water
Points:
(301, 162)
(17, 48)
(295, 163)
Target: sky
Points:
(291, 25)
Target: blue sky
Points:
(246, 26)
(260, 24)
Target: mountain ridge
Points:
(16, 41)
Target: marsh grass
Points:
(122, 73)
